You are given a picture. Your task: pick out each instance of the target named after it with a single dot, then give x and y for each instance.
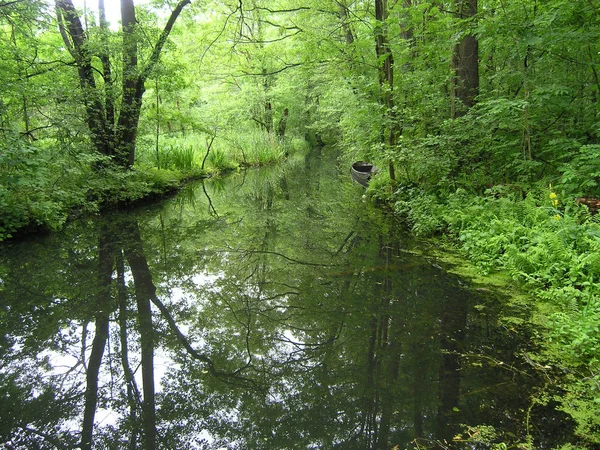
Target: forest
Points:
(483, 115)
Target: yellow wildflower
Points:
(553, 197)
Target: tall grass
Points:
(259, 148)
(240, 147)
(180, 153)
(181, 158)
(184, 158)
(220, 161)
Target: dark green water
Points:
(272, 310)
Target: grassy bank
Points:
(43, 183)
(550, 247)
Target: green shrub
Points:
(30, 188)
(111, 187)
(581, 176)
(423, 210)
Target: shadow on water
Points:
(274, 309)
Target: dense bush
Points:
(40, 187)
(30, 188)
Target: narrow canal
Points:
(274, 309)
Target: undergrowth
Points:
(551, 246)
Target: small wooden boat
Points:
(362, 172)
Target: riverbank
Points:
(43, 211)
(39, 195)
(543, 250)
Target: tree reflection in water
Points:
(282, 311)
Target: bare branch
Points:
(268, 22)
(281, 255)
(228, 376)
(49, 69)
(220, 32)
(274, 72)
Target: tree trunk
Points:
(465, 62)
(106, 70)
(145, 291)
(101, 111)
(76, 40)
(133, 396)
(344, 19)
(386, 77)
(282, 124)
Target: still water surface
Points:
(275, 309)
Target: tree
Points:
(465, 60)
(385, 64)
(113, 125)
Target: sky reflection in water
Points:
(283, 313)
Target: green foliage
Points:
(29, 190)
(112, 186)
(423, 210)
(581, 175)
(481, 435)
(554, 249)
(40, 186)
(580, 400)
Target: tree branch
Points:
(193, 352)
(5, 4)
(218, 35)
(276, 11)
(268, 22)
(281, 255)
(262, 74)
(268, 41)
(154, 57)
